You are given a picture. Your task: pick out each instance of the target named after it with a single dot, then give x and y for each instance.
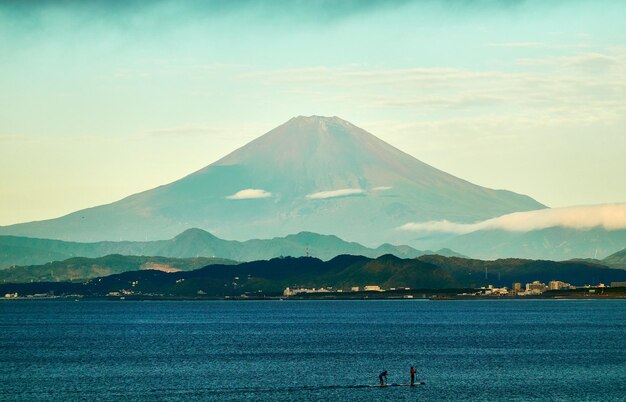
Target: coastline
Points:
(420, 295)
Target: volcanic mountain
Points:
(320, 174)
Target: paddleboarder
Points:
(412, 376)
(381, 376)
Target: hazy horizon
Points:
(102, 100)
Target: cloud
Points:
(570, 87)
(607, 216)
(344, 192)
(249, 193)
(592, 62)
(587, 62)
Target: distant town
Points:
(555, 289)
(344, 277)
(535, 288)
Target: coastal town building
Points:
(500, 291)
(294, 291)
(536, 288)
(490, 290)
(291, 292)
(558, 285)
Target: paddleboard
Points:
(398, 385)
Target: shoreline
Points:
(620, 296)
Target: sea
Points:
(471, 350)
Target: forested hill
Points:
(82, 268)
(271, 277)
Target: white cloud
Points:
(566, 86)
(593, 62)
(249, 193)
(344, 192)
(382, 188)
(607, 216)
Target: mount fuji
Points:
(318, 174)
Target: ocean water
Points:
(561, 350)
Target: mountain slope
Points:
(16, 250)
(556, 243)
(319, 174)
(617, 259)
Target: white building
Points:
(290, 292)
(536, 288)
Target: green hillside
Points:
(81, 268)
(617, 260)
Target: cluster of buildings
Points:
(31, 296)
(292, 292)
(537, 288)
(368, 288)
(533, 288)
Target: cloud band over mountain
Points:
(249, 193)
(344, 192)
(607, 216)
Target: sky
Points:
(100, 100)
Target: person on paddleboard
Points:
(381, 376)
(412, 376)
